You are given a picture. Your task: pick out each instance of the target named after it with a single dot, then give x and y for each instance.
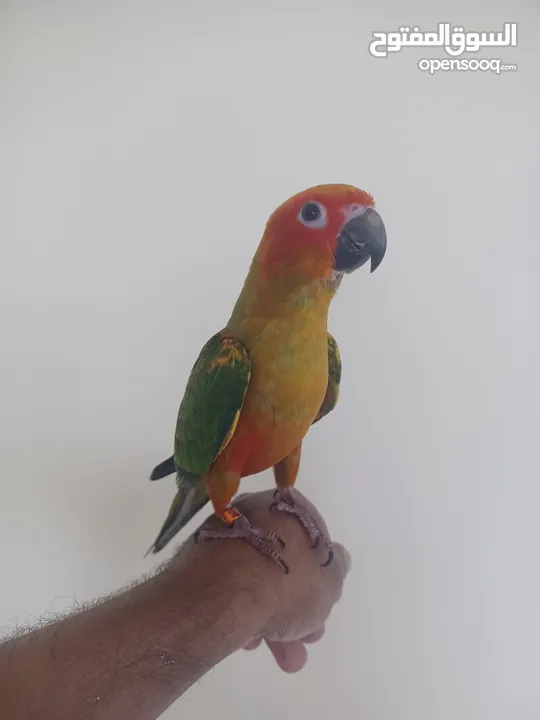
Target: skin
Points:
(129, 657)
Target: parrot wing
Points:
(206, 422)
(167, 467)
(212, 403)
(334, 378)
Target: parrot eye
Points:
(313, 214)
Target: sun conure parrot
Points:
(260, 383)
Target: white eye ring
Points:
(313, 215)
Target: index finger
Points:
(343, 559)
(342, 564)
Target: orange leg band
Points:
(230, 514)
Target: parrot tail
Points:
(192, 495)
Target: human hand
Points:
(297, 604)
(137, 651)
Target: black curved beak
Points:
(361, 238)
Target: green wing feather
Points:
(206, 422)
(334, 378)
(212, 403)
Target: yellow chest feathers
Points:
(289, 371)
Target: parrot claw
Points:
(330, 556)
(287, 503)
(262, 540)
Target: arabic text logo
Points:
(454, 40)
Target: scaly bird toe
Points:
(263, 541)
(285, 502)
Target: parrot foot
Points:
(263, 541)
(286, 502)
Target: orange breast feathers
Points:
(288, 383)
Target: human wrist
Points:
(233, 591)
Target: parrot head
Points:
(325, 231)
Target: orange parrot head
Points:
(324, 231)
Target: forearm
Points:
(132, 655)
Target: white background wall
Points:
(143, 146)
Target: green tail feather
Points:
(190, 498)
